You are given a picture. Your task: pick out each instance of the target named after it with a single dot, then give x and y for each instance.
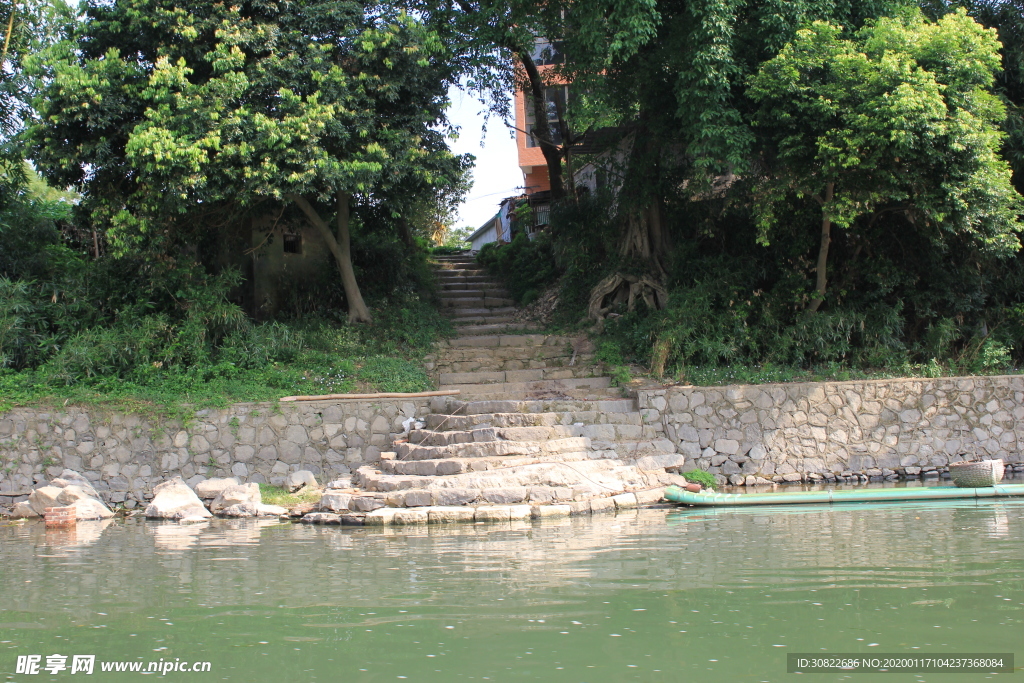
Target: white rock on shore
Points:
(69, 489)
(173, 499)
(209, 489)
(235, 496)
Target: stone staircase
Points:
(535, 431)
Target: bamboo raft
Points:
(711, 498)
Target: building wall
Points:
(275, 271)
(878, 427)
(124, 456)
(486, 237)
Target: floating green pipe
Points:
(710, 498)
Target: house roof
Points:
(482, 229)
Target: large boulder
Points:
(238, 494)
(69, 489)
(90, 508)
(173, 499)
(211, 488)
(24, 510)
(73, 493)
(44, 497)
(72, 478)
(300, 479)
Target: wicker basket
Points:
(976, 474)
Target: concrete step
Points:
(463, 423)
(532, 386)
(516, 340)
(493, 365)
(475, 292)
(584, 478)
(437, 421)
(457, 270)
(496, 393)
(490, 449)
(458, 285)
(460, 407)
(482, 319)
(505, 354)
(445, 277)
(506, 376)
(450, 466)
(497, 328)
(429, 437)
(475, 302)
(461, 313)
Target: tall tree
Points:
(166, 113)
(900, 118)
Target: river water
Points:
(652, 595)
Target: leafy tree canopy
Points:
(166, 113)
(900, 117)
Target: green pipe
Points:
(678, 495)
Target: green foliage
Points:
(705, 479)
(278, 495)
(217, 107)
(526, 266)
(900, 118)
(385, 373)
(112, 330)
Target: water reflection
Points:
(710, 594)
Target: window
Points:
(555, 99)
(292, 243)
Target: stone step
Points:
(459, 270)
(529, 388)
(459, 286)
(475, 302)
(460, 313)
(495, 365)
(515, 340)
(474, 292)
(497, 328)
(448, 276)
(437, 421)
(449, 466)
(586, 478)
(511, 376)
(497, 394)
(429, 437)
(485, 449)
(486, 407)
(483, 319)
(507, 353)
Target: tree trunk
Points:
(406, 234)
(541, 129)
(826, 240)
(342, 250)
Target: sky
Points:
(496, 174)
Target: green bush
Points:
(525, 266)
(705, 479)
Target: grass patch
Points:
(278, 495)
(272, 360)
(705, 479)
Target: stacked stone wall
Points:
(877, 428)
(124, 456)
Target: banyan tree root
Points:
(620, 288)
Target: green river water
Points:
(652, 595)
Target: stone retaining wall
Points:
(124, 456)
(876, 428)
